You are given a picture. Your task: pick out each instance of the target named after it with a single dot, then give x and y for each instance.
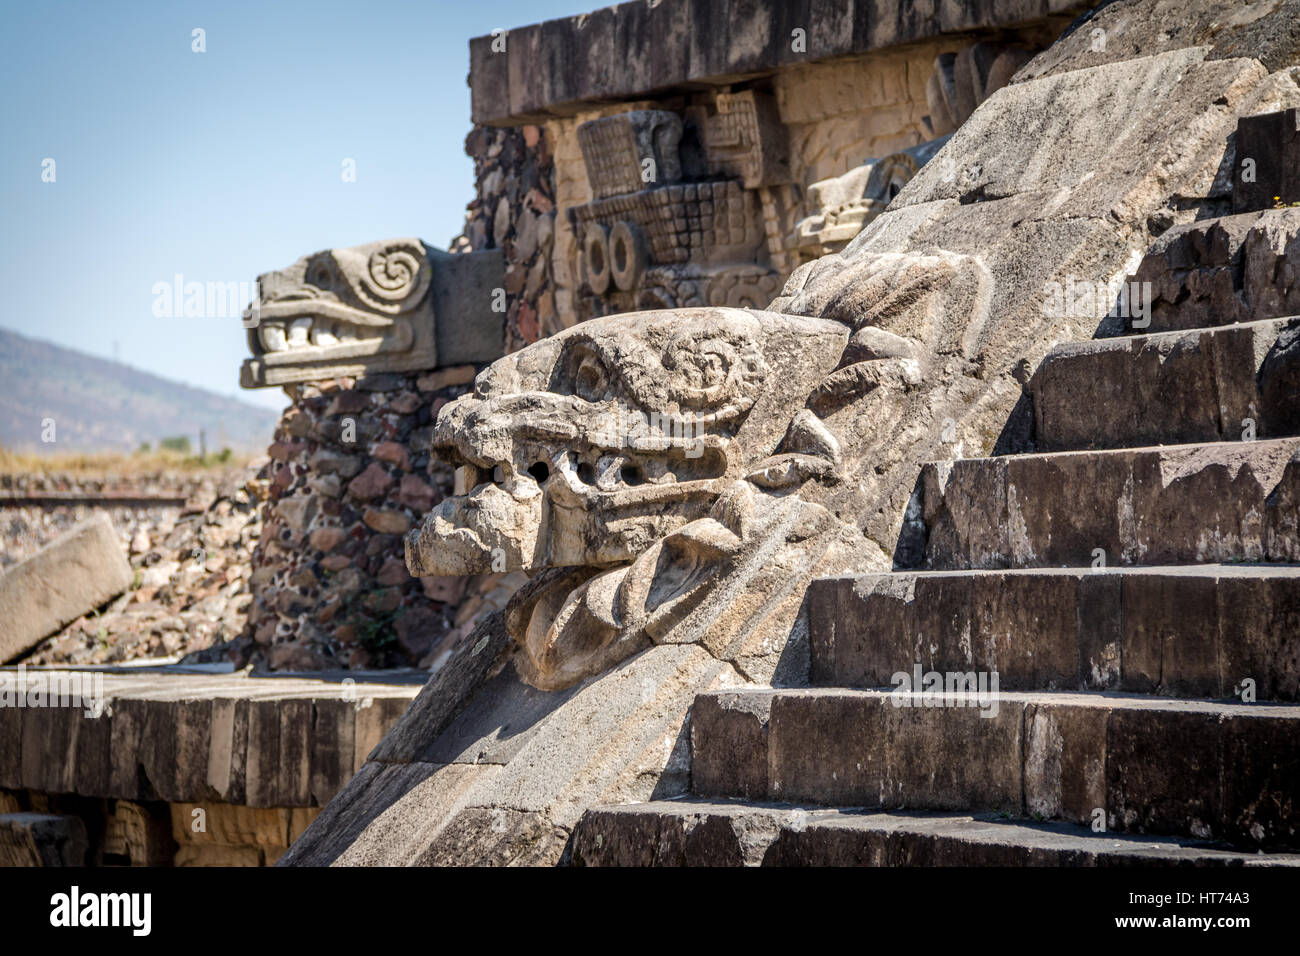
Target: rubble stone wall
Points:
(350, 473)
(514, 210)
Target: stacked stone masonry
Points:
(793, 138)
(164, 766)
(350, 474)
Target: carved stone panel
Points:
(668, 239)
(624, 152)
(745, 139)
(839, 208)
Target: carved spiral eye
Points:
(702, 365)
(392, 273)
(708, 370)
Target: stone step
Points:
(1205, 385)
(165, 734)
(1185, 631)
(1186, 768)
(1186, 504)
(700, 833)
(1214, 272)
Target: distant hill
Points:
(100, 405)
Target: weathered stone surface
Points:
(839, 208)
(443, 377)
(517, 767)
(1069, 151)
(71, 576)
(42, 839)
(617, 148)
(328, 580)
(372, 483)
(470, 328)
(962, 81)
(181, 737)
(1136, 28)
(135, 835)
(735, 760)
(941, 304)
(1271, 144)
(1057, 755)
(1172, 388)
(1197, 631)
(1219, 271)
(951, 272)
(527, 73)
(1222, 502)
(639, 446)
(963, 261)
(699, 833)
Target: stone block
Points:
(1270, 145)
(73, 575)
(729, 745)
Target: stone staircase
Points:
(1134, 587)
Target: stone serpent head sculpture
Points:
(342, 310)
(670, 476)
(632, 463)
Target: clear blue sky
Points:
(224, 164)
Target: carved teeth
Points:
(309, 331)
(322, 333)
(272, 337)
(298, 331)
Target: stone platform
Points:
(138, 750)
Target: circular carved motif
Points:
(595, 258)
(392, 273)
(628, 253)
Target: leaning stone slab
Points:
(75, 573)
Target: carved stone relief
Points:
(839, 208)
(678, 214)
(643, 468)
